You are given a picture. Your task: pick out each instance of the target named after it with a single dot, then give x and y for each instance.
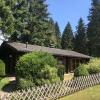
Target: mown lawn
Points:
(92, 93)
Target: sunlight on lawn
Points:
(92, 93)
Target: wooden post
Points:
(64, 63)
(79, 61)
(71, 65)
(75, 63)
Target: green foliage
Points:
(58, 35)
(6, 18)
(52, 40)
(93, 31)
(2, 68)
(67, 37)
(23, 83)
(26, 21)
(93, 70)
(80, 40)
(93, 66)
(61, 71)
(81, 71)
(38, 67)
(47, 75)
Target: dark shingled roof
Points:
(22, 48)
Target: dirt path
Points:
(9, 87)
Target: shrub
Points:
(37, 67)
(93, 70)
(61, 71)
(81, 71)
(93, 66)
(23, 83)
(2, 68)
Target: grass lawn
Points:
(0, 78)
(92, 93)
(3, 82)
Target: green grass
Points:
(92, 93)
(3, 82)
(0, 78)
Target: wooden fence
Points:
(54, 91)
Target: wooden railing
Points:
(56, 90)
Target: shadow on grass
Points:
(1, 77)
(11, 87)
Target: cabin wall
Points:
(70, 63)
(9, 56)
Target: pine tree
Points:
(26, 21)
(12, 16)
(38, 22)
(58, 35)
(6, 18)
(93, 31)
(80, 40)
(67, 37)
(51, 39)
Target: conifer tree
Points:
(38, 22)
(58, 35)
(51, 42)
(80, 40)
(67, 37)
(6, 18)
(25, 21)
(93, 31)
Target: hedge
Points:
(93, 67)
(38, 68)
(81, 71)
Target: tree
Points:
(80, 41)
(13, 15)
(52, 37)
(67, 37)
(38, 23)
(6, 18)
(25, 21)
(93, 30)
(58, 35)
(21, 15)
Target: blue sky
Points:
(63, 11)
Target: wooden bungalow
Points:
(10, 52)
